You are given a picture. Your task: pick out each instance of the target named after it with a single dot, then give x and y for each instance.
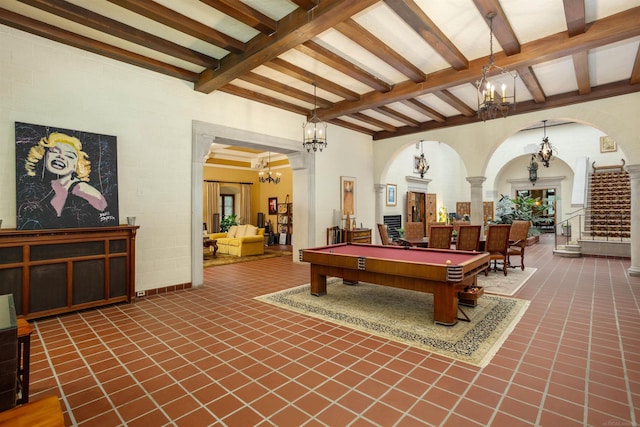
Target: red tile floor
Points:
(215, 356)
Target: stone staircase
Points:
(606, 224)
(609, 206)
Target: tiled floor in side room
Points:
(215, 356)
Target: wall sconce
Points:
(533, 170)
(422, 165)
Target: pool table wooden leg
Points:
(445, 305)
(318, 282)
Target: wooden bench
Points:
(45, 412)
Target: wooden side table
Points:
(212, 244)
(24, 357)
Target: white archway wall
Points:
(514, 176)
(446, 174)
(572, 143)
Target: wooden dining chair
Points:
(384, 235)
(458, 224)
(431, 224)
(497, 244)
(468, 238)
(518, 241)
(413, 230)
(440, 237)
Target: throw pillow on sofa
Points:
(232, 231)
(242, 231)
(252, 230)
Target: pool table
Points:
(418, 269)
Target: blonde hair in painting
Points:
(37, 152)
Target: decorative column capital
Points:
(633, 170)
(476, 181)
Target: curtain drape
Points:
(245, 204)
(211, 203)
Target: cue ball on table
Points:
(448, 262)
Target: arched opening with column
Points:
(485, 148)
(303, 166)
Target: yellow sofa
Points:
(240, 240)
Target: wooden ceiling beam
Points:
(614, 28)
(635, 73)
(455, 102)
(533, 85)
(245, 14)
(502, 29)
(294, 29)
(170, 18)
(324, 55)
(308, 77)
(56, 34)
(574, 13)
(112, 27)
(581, 66)
(424, 109)
(348, 125)
(306, 4)
(358, 34)
(263, 99)
(413, 15)
(284, 89)
(396, 115)
(373, 121)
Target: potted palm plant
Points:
(227, 222)
(522, 208)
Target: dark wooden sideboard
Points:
(357, 235)
(56, 271)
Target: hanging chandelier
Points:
(314, 132)
(492, 104)
(422, 166)
(533, 170)
(546, 149)
(268, 176)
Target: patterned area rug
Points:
(407, 317)
(223, 259)
(498, 283)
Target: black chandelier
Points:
(490, 103)
(314, 132)
(268, 176)
(422, 166)
(546, 149)
(533, 170)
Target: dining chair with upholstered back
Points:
(413, 230)
(468, 238)
(384, 235)
(440, 237)
(518, 240)
(497, 244)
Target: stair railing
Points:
(564, 230)
(579, 226)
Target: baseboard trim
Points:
(166, 289)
